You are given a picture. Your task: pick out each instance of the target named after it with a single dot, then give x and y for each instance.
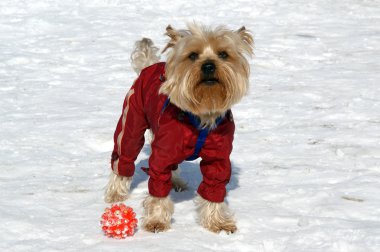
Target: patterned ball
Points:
(118, 221)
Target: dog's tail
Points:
(144, 55)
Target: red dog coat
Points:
(175, 139)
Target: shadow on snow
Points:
(190, 173)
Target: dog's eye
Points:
(193, 56)
(223, 55)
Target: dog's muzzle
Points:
(208, 69)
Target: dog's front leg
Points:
(157, 213)
(117, 188)
(213, 212)
(215, 216)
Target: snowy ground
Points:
(307, 146)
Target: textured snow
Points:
(306, 160)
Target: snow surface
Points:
(306, 154)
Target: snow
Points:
(306, 160)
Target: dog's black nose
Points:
(208, 68)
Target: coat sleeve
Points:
(216, 165)
(129, 133)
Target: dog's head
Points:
(206, 70)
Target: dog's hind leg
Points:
(177, 182)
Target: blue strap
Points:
(194, 120)
(198, 146)
(165, 105)
(203, 132)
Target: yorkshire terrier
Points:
(186, 104)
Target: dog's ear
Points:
(247, 39)
(174, 36)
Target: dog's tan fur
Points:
(215, 216)
(144, 55)
(184, 87)
(157, 213)
(117, 188)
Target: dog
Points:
(186, 103)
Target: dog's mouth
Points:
(210, 81)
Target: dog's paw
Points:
(156, 226)
(179, 186)
(218, 225)
(157, 213)
(215, 217)
(115, 197)
(229, 228)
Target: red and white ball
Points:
(119, 221)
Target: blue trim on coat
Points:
(203, 132)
